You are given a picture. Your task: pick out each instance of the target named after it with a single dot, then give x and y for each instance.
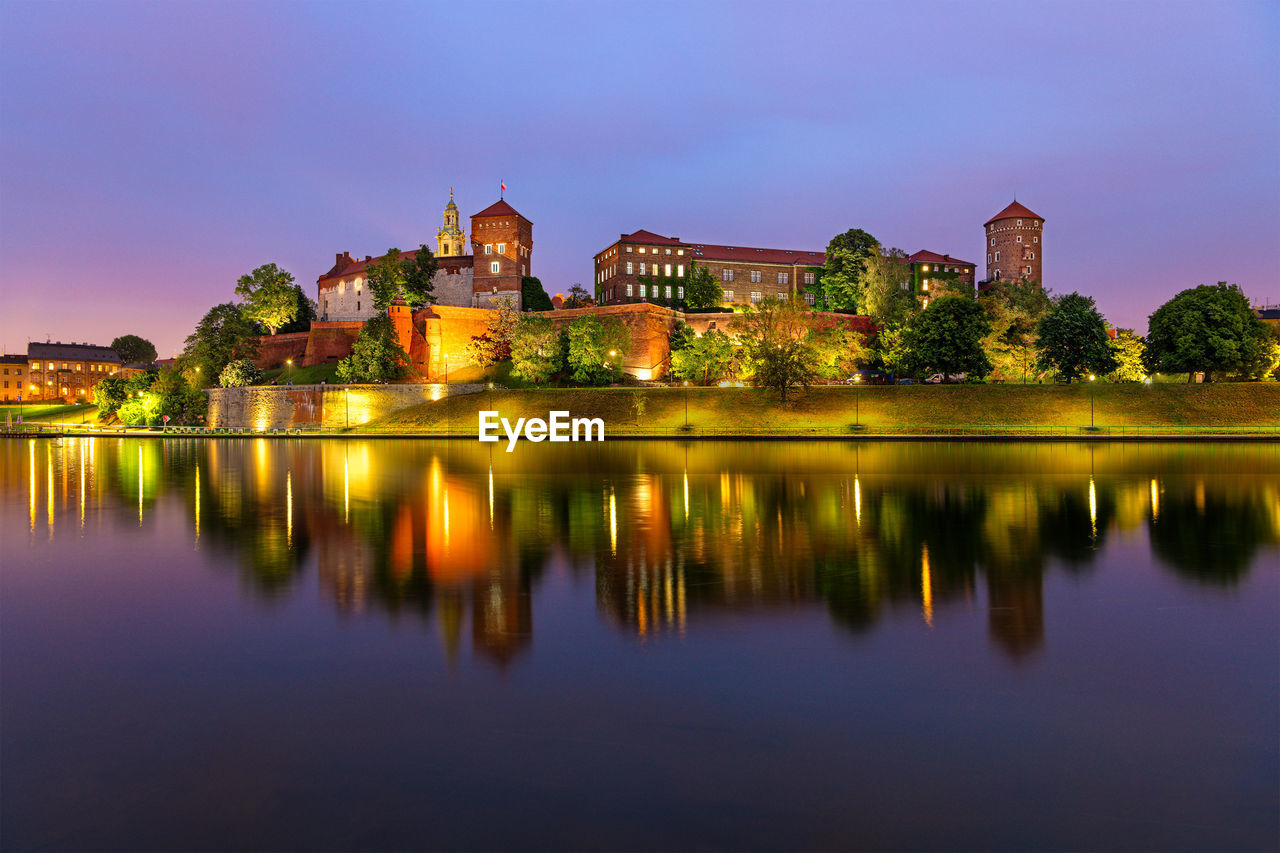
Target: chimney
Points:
(368, 258)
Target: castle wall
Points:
(266, 407)
(274, 350)
(331, 341)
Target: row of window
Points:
(1026, 256)
(79, 368)
(756, 276)
(1034, 224)
(357, 285)
(656, 251)
(17, 371)
(653, 291)
(1035, 238)
(949, 269)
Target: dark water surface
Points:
(275, 644)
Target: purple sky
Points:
(151, 153)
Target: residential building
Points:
(746, 274)
(1015, 241)
(929, 269)
(13, 378)
(68, 372)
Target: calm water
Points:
(258, 644)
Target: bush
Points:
(240, 373)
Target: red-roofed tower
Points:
(502, 245)
(1015, 239)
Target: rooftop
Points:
(924, 256)
(80, 352)
(1014, 211)
(740, 254)
(498, 208)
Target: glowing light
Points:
(1155, 500)
(1093, 508)
(31, 466)
(346, 490)
(50, 500)
(1092, 377)
(686, 495)
(197, 503)
(288, 508)
(613, 523)
(490, 497)
(926, 587)
(82, 479)
(139, 485)
(857, 501)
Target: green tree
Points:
(890, 347)
(240, 373)
(419, 277)
(134, 350)
(1073, 339)
(269, 295)
(702, 289)
(639, 402)
(494, 343)
(841, 286)
(169, 395)
(305, 315)
(535, 349)
(1129, 351)
(223, 335)
(947, 338)
(837, 350)
(1015, 309)
(705, 360)
(533, 295)
(109, 395)
(886, 286)
(578, 297)
(596, 349)
(1264, 363)
(397, 276)
(1210, 328)
(681, 336)
(140, 382)
(778, 345)
(376, 355)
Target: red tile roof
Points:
(924, 256)
(498, 208)
(747, 254)
(1013, 211)
(448, 262)
(643, 236)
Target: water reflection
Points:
(668, 534)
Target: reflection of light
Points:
(680, 600)
(926, 587)
(613, 523)
(50, 500)
(446, 518)
(346, 491)
(857, 501)
(82, 485)
(197, 503)
(288, 508)
(490, 497)
(1093, 507)
(1200, 497)
(139, 485)
(31, 466)
(686, 495)
(1155, 500)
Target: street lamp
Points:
(1091, 379)
(686, 404)
(346, 401)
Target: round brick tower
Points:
(1015, 237)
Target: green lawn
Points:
(49, 412)
(303, 375)
(887, 407)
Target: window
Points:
(1035, 239)
(523, 270)
(668, 272)
(79, 368)
(925, 284)
(726, 275)
(993, 241)
(680, 293)
(755, 275)
(488, 248)
(493, 267)
(64, 365)
(668, 251)
(808, 297)
(1019, 223)
(997, 256)
(925, 267)
(642, 291)
(808, 279)
(642, 250)
(629, 293)
(668, 291)
(357, 304)
(784, 278)
(728, 296)
(782, 297)
(1028, 270)
(988, 257)
(679, 270)
(1019, 238)
(629, 269)
(359, 284)
(642, 268)
(756, 296)
(679, 251)
(1031, 256)
(342, 287)
(502, 248)
(628, 248)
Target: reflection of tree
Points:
(1211, 536)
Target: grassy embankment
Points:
(49, 412)
(310, 375)
(876, 408)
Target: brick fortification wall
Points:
(274, 350)
(331, 341)
(331, 406)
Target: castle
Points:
(500, 237)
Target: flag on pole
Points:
(504, 185)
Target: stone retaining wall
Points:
(328, 406)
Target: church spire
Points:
(450, 239)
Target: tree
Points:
(223, 335)
(376, 355)
(535, 349)
(681, 336)
(1210, 328)
(240, 373)
(947, 337)
(170, 394)
(1129, 351)
(639, 402)
(134, 350)
(886, 286)
(778, 346)
(270, 296)
(837, 350)
(533, 295)
(109, 395)
(705, 360)
(1015, 308)
(1073, 339)
(596, 349)
(306, 313)
(1265, 363)
(494, 343)
(578, 297)
(397, 276)
(841, 286)
(419, 277)
(703, 289)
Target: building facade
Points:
(13, 378)
(746, 274)
(505, 243)
(67, 372)
(929, 270)
(1015, 240)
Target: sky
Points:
(151, 153)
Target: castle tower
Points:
(450, 240)
(1014, 241)
(502, 246)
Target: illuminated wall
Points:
(331, 406)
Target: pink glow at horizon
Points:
(151, 153)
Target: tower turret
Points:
(450, 240)
(1015, 237)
